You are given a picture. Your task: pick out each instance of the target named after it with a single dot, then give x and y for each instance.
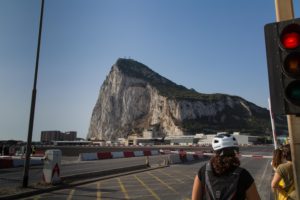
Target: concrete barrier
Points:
(201, 154)
(88, 156)
(128, 154)
(104, 155)
(174, 158)
(6, 163)
(138, 153)
(18, 161)
(147, 153)
(116, 154)
(154, 152)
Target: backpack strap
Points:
(209, 194)
(233, 186)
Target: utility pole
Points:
(285, 11)
(273, 125)
(32, 108)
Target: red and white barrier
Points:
(256, 156)
(117, 154)
(199, 154)
(17, 161)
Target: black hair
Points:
(277, 157)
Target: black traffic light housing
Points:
(283, 57)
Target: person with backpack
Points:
(222, 178)
(284, 172)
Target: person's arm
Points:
(275, 182)
(197, 189)
(251, 193)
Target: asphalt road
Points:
(171, 183)
(13, 177)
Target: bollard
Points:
(52, 166)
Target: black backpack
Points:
(220, 187)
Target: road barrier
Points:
(18, 161)
(116, 154)
(175, 157)
(256, 156)
(104, 155)
(183, 156)
(6, 162)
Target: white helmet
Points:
(222, 141)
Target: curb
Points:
(70, 181)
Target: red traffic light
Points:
(290, 40)
(283, 56)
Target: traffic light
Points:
(283, 57)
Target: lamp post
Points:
(32, 108)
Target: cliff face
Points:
(133, 98)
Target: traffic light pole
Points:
(294, 134)
(284, 11)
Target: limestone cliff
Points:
(133, 98)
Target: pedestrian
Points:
(284, 172)
(222, 178)
(276, 161)
(32, 149)
(277, 158)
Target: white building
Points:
(185, 140)
(242, 139)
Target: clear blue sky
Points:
(211, 46)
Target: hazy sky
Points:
(213, 46)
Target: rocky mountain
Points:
(134, 98)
